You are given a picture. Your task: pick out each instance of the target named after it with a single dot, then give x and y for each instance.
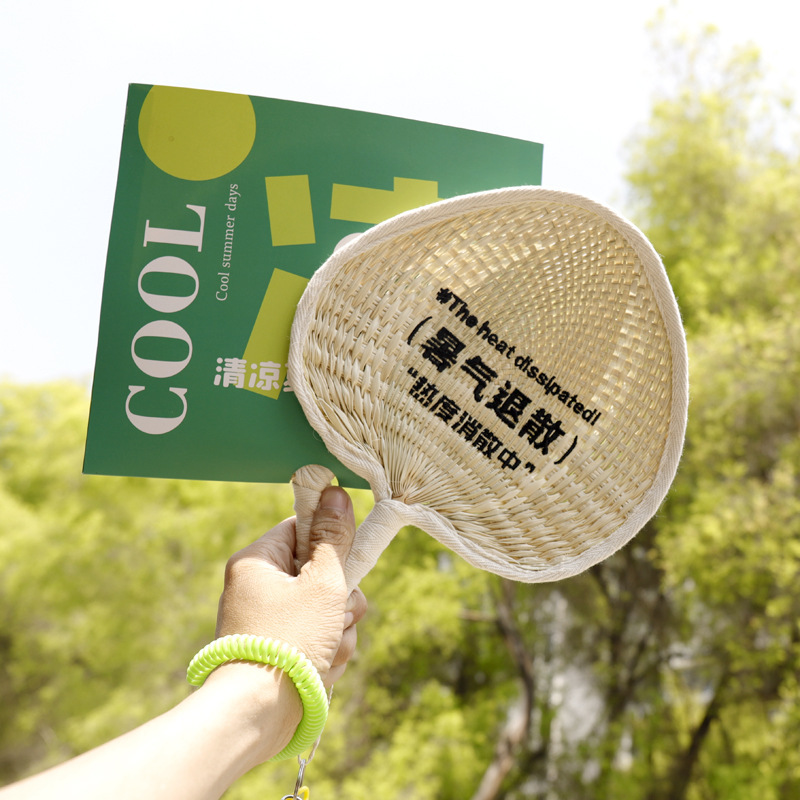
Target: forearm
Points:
(243, 715)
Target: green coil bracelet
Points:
(304, 675)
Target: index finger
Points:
(276, 547)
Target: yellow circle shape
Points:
(196, 135)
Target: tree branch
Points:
(685, 763)
(516, 730)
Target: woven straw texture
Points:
(507, 370)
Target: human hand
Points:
(265, 596)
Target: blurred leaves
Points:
(108, 584)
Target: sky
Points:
(576, 76)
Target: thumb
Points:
(333, 529)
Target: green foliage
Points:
(714, 182)
(108, 584)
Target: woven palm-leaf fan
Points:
(507, 370)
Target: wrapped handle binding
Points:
(372, 537)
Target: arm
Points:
(245, 713)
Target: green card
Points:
(225, 206)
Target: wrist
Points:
(291, 662)
(259, 704)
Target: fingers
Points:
(346, 647)
(356, 608)
(275, 548)
(354, 613)
(334, 673)
(332, 532)
(264, 594)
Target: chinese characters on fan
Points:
(525, 424)
(540, 430)
(549, 384)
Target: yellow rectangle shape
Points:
(291, 219)
(268, 346)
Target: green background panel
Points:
(231, 433)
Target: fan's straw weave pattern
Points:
(508, 368)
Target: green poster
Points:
(225, 206)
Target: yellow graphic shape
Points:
(360, 204)
(269, 339)
(196, 135)
(291, 220)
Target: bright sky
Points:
(576, 76)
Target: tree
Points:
(714, 179)
(670, 670)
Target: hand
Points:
(265, 596)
